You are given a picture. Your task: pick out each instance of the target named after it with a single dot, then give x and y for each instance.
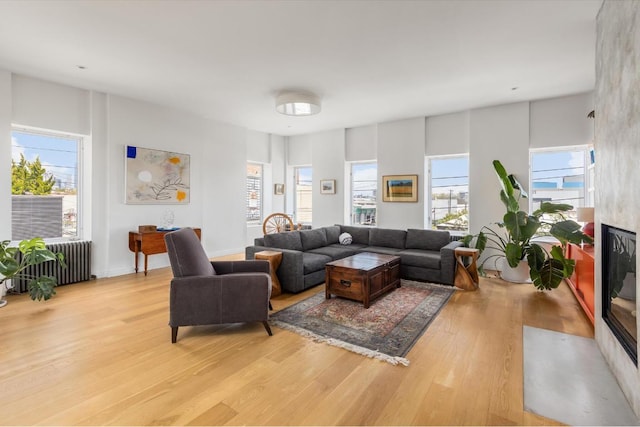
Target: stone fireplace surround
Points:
(617, 155)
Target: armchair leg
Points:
(266, 326)
(174, 334)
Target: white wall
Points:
(140, 124)
(401, 151)
(97, 221)
(279, 170)
(218, 155)
(328, 155)
(5, 153)
(497, 133)
(224, 176)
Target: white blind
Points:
(361, 143)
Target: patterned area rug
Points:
(385, 331)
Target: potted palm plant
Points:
(513, 239)
(34, 252)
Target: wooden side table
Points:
(466, 276)
(149, 241)
(274, 258)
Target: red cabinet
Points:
(582, 281)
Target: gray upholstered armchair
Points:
(205, 292)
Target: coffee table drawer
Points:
(345, 283)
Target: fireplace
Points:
(619, 287)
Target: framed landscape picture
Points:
(327, 186)
(156, 177)
(400, 188)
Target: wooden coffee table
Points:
(362, 277)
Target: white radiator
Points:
(77, 256)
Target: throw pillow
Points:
(345, 239)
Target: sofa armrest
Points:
(448, 262)
(291, 269)
(249, 266)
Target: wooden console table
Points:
(581, 281)
(149, 243)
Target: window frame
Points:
(296, 214)
(352, 189)
(260, 195)
(586, 197)
(81, 141)
(429, 195)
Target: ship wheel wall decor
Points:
(277, 223)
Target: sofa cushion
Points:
(387, 238)
(381, 250)
(357, 247)
(430, 240)
(313, 262)
(286, 240)
(333, 233)
(359, 234)
(420, 258)
(312, 239)
(335, 252)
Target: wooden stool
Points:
(466, 276)
(274, 258)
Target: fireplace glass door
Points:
(619, 286)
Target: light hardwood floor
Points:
(99, 353)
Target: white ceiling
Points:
(369, 61)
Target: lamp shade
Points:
(585, 214)
(297, 103)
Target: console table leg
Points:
(145, 264)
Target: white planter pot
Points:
(520, 274)
(3, 292)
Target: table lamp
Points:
(586, 215)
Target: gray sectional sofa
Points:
(425, 255)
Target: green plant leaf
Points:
(550, 274)
(513, 252)
(42, 288)
(552, 208)
(569, 231)
(516, 184)
(9, 266)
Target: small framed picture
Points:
(400, 188)
(327, 186)
(278, 189)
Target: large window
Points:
(364, 189)
(45, 184)
(254, 193)
(303, 195)
(449, 188)
(558, 176)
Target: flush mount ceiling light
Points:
(297, 103)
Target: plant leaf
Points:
(42, 288)
(550, 274)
